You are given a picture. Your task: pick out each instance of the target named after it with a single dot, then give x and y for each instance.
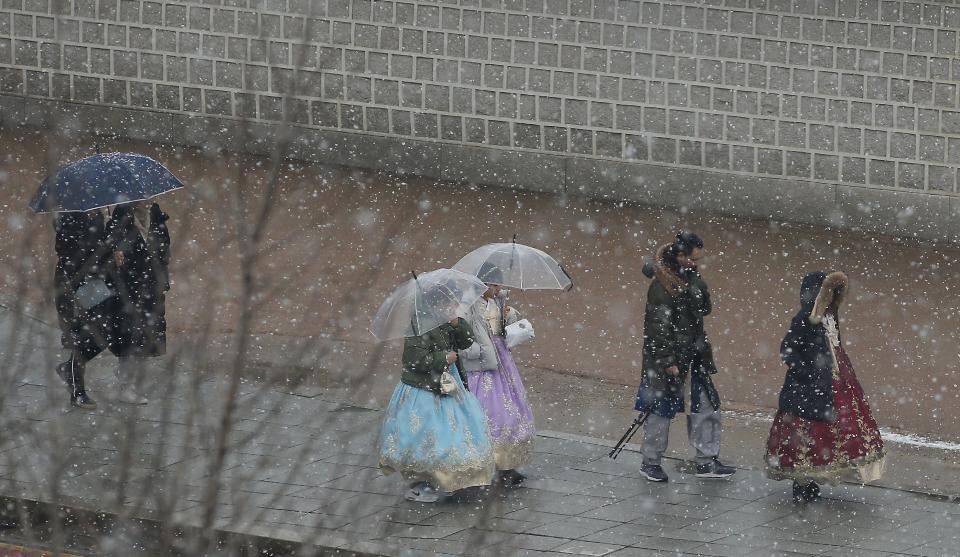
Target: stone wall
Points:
(837, 112)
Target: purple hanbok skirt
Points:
(503, 399)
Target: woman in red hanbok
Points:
(823, 431)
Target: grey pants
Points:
(703, 431)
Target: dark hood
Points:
(667, 270)
(809, 289)
(157, 215)
(649, 267)
(819, 292)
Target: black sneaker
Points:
(81, 399)
(511, 478)
(654, 473)
(715, 469)
(805, 493)
(798, 492)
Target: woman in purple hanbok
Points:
(494, 379)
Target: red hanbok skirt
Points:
(850, 448)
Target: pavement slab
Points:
(302, 465)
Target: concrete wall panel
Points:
(769, 111)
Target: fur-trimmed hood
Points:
(819, 290)
(672, 281)
(808, 387)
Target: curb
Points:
(257, 542)
(635, 449)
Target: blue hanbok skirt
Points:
(441, 439)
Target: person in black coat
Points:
(141, 243)
(676, 347)
(824, 430)
(808, 386)
(83, 257)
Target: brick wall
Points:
(804, 110)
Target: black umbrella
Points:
(103, 180)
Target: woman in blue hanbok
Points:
(434, 430)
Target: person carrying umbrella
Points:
(88, 305)
(675, 346)
(493, 377)
(434, 432)
(492, 374)
(141, 246)
(82, 257)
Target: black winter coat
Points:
(80, 247)
(82, 254)
(142, 281)
(808, 387)
(425, 356)
(674, 335)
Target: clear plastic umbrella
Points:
(425, 302)
(516, 266)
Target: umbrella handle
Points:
(568, 276)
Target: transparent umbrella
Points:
(516, 266)
(425, 302)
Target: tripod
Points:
(637, 422)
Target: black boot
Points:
(805, 493)
(72, 372)
(511, 478)
(81, 399)
(63, 372)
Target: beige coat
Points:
(484, 318)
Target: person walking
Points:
(140, 241)
(82, 258)
(823, 430)
(494, 379)
(675, 347)
(434, 432)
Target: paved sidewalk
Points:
(303, 467)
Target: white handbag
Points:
(93, 292)
(518, 333)
(447, 385)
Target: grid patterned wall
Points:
(856, 92)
